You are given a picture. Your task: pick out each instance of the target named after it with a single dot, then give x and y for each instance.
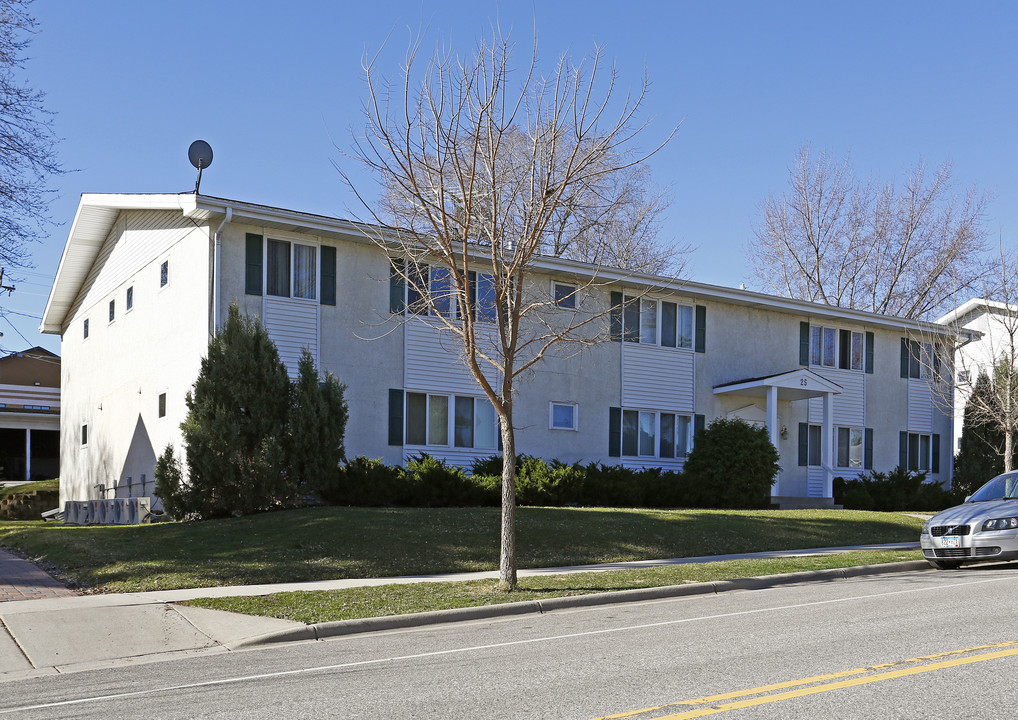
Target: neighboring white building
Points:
(986, 329)
(145, 279)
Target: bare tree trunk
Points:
(1008, 449)
(507, 554)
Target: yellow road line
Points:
(826, 685)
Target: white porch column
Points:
(827, 445)
(774, 431)
(28, 453)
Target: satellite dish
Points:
(200, 155)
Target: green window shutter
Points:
(869, 353)
(804, 343)
(253, 264)
(328, 275)
(397, 286)
(903, 450)
(935, 452)
(701, 329)
(699, 423)
(904, 357)
(867, 449)
(615, 321)
(803, 444)
(614, 431)
(395, 416)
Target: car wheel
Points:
(945, 564)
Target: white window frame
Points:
(450, 429)
(293, 243)
(862, 447)
(920, 455)
(574, 407)
(427, 305)
(656, 417)
(818, 347)
(684, 314)
(568, 300)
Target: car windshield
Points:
(1002, 487)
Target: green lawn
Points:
(385, 600)
(53, 485)
(331, 542)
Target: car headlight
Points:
(1010, 523)
(926, 527)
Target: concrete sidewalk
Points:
(64, 632)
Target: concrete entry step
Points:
(804, 503)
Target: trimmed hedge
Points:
(895, 491)
(429, 482)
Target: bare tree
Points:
(482, 171)
(995, 354)
(27, 143)
(906, 251)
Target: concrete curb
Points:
(321, 631)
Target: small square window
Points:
(85, 329)
(130, 297)
(564, 295)
(113, 310)
(162, 405)
(164, 273)
(84, 435)
(563, 416)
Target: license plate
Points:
(951, 541)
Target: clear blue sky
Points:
(272, 86)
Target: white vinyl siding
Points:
(433, 360)
(920, 406)
(657, 377)
(292, 326)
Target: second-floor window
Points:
(657, 322)
(836, 348)
(291, 270)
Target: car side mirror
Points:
(967, 498)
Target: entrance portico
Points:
(800, 384)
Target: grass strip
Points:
(39, 485)
(399, 599)
(327, 543)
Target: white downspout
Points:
(217, 271)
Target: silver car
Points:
(985, 527)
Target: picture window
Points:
(564, 295)
(562, 416)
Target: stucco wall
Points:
(111, 381)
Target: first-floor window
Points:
(84, 435)
(853, 446)
(563, 416)
(655, 434)
(162, 404)
(433, 419)
(919, 451)
(850, 447)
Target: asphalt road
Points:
(911, 645)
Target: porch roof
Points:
(799, 384)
